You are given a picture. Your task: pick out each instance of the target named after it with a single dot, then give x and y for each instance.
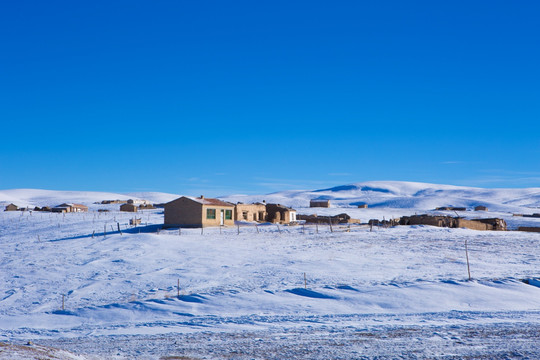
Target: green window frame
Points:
(228, 214)
(210, 213)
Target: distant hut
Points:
(146, 207)
(62, 208)
(363, 206)
(11, 207)
(128, 208)
(79, 208)
(481, 208)
(319, 203)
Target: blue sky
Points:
(214, 97)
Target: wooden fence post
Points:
(305, 281)
(467, 255)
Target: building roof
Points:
(279, 206)
(210, 201)
(65, 205)
(206, 201)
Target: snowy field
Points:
(266, 292)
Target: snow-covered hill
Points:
(65, 282)
(38, 197)
(381, 195)
(405, 195)
(73, 281)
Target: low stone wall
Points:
(473, 225)
(336, 219)
(529, 229)
(454, 222)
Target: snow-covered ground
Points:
(268, 292)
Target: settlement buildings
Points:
(201, 212)
(198, 212)
(454, 222)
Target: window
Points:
(228, 214)
(210, 213)
(245, 215)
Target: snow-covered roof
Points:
(210, 201)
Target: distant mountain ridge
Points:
(405, 195)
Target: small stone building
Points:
(66, 208)
(481, 208)
(79, 208)
(11, 207)
(250, 212)
(454, 222)
(129, 207)
(281, 214)
(146, 207)
(319, 203)
(198, 212)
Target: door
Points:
(221, 217)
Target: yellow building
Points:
(198, 212)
